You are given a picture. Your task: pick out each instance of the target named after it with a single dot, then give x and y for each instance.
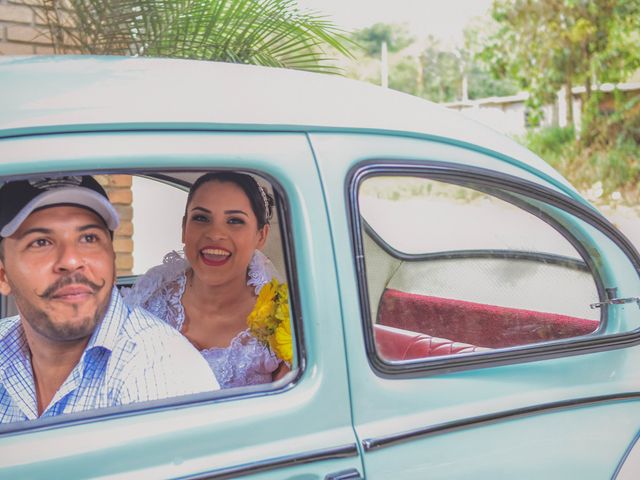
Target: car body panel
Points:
(441, 418)
(630, 462)
(560, 410)
(119, 93)
(274, 432)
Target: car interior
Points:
(435, 298)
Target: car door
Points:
(298, 427)
(491, 316)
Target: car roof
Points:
(43, 94)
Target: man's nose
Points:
(69, 257)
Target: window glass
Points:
(453, 269)
(151, 209)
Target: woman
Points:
(209, 294)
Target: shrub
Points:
(609, 158)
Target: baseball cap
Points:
(21, 198)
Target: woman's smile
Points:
(221, 233)
(214, 256)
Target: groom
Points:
(75, 346)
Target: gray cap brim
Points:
(80, 196)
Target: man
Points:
(75, 346)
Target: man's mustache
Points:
(75, 279)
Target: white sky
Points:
(444, 19)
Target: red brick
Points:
(26, 2)
(28, 34)
(124, 263)
(123, 245)
(44, 50)
(102, 179)
(125, 229)
(10, 48)
(125, 212)
(16, 13)
(120, 196)
(119, 180)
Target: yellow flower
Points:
(282, 313)
(281, 342)
(270, 321)
(283, 293)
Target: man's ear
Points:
(115, 272)
(5, 288)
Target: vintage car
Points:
(459, 310)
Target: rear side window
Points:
(454, 270)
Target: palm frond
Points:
(264, 32)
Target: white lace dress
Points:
(246, 361)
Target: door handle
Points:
(350, 474)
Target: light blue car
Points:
(459, 310)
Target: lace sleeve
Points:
(261, 271)
(160, 289)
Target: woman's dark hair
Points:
(261, 201)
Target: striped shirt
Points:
(132, 356)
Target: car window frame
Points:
(476, 176)
(281, 204)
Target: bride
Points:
(209, 294)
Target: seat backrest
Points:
(398, 344)
(477, 324)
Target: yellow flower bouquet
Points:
(270, 321)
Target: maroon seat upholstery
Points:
(475, 323)
(397, 344)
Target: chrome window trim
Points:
(278, 387)
(454, 173)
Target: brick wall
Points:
(118, 188)
(22, 33)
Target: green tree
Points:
(483, 84)
(430, 70)
(548, 44)
(481, 81)
(442, 72)
(264, 32)
(404, 76)
(371, 38)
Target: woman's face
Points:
(220, 233)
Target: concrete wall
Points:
(508, 115)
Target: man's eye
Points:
(40, 242)
(90, 238)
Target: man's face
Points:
(60, 267)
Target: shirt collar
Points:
(108, 330)
(14, 342)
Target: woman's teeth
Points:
(215, 253)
